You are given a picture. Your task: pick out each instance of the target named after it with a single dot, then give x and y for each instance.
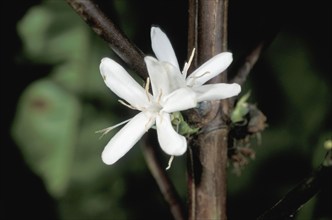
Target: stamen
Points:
(160, 95)
(185, 69)
(170, 162)
(127, 105)
(187, 65)
(106, 130)
(147, 88)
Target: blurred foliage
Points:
(53, 103)
(45, 128)
(58, 114)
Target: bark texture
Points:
(208, 151)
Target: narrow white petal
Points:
(216, 91)
(121, 83)
(165, 78)
(126, 138)
(179, 100)
(162, 47)
(170, 141)
(175, 77)
(159, 77)
(210, 69)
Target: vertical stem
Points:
(212, 28)
(208, 153)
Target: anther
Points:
(147, 87)
(187, 65)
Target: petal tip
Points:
(227, 57)
(155, 31)
(150, 59)
(105, 59)
(181, 150)
(107, 159)
(155, 28)
(237, 88)
(107, 64)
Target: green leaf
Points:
(45, 128)
(241, 109)
(306, 92)
(52, 33)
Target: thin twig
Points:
(165, 185)
(107, 30)
(247, 64)
(288, 206)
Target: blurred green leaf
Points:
(307, 93)
(57, 116)
(53, 34)
(49, 32)
(46, 130)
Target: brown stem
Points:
(247, 64)
(107, 30)
(192, 30)
(208, 152)
(165, 185)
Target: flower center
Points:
(154, 107)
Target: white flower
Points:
(167, 60)
(154, 109)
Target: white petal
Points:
(170, 141)
(165, 78)
(158, 76)
(126, 138)
(216, 91)
(122, 84)
(179, 100)
(210, 69)
(162, 47)
(176, 78)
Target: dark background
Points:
(22, 192)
